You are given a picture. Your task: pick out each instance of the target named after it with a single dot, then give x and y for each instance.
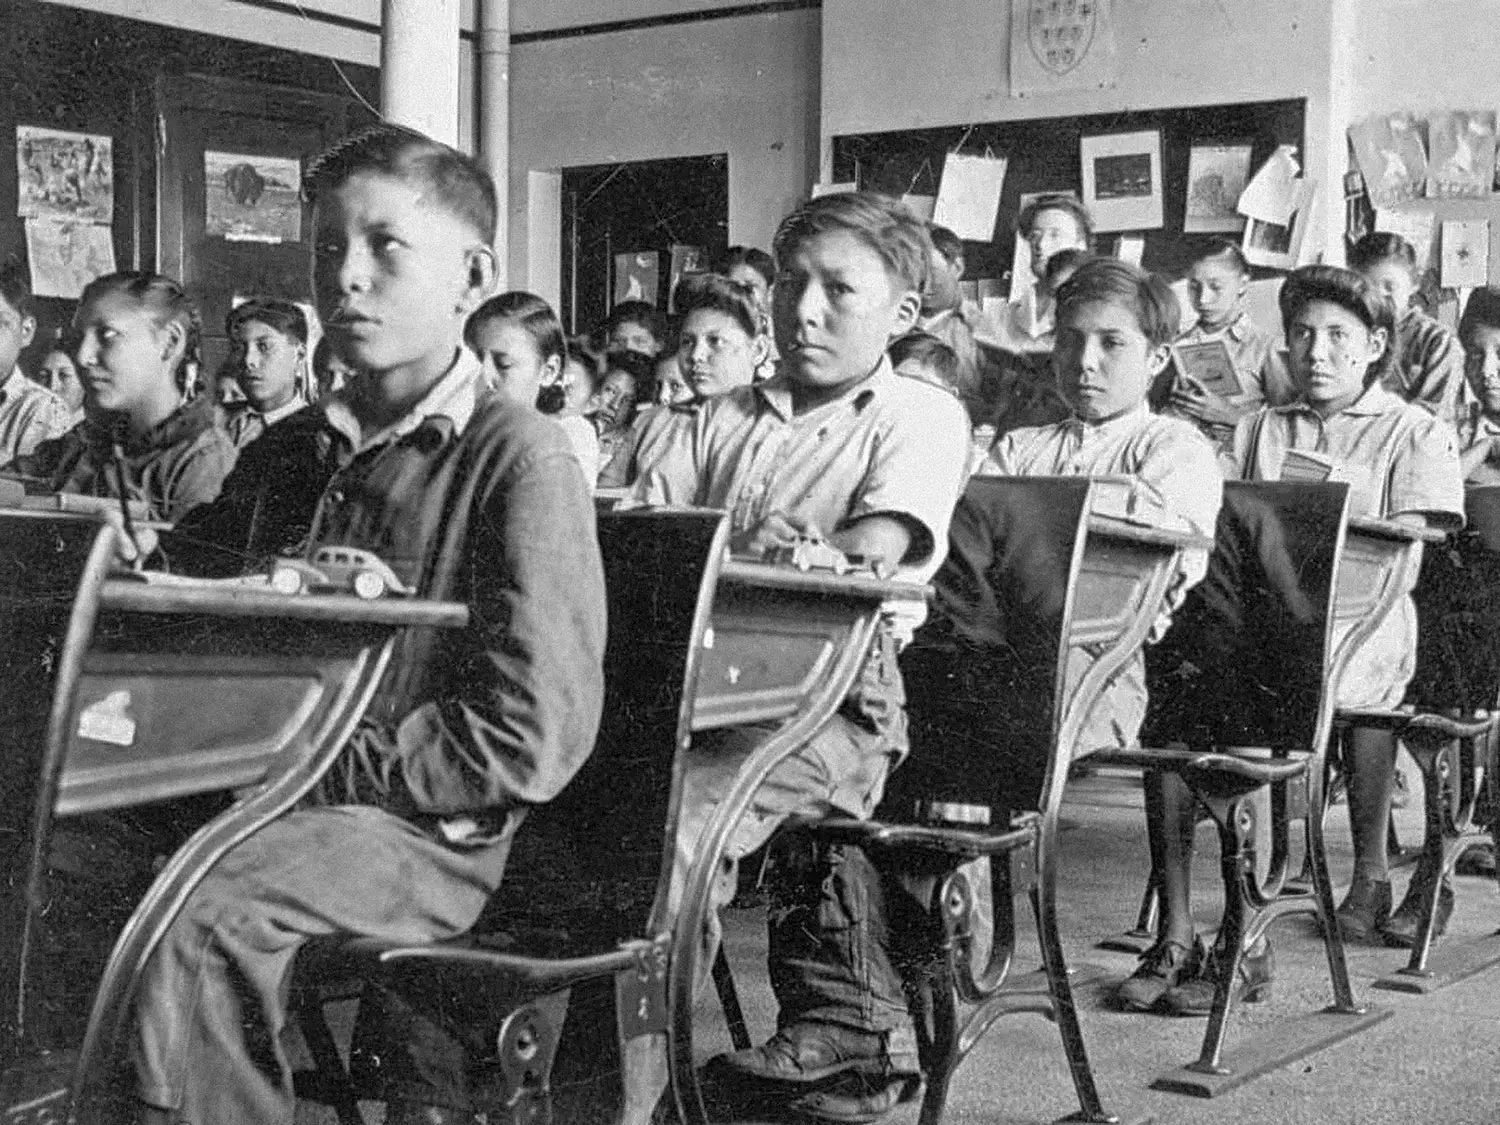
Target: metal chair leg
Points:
(1044, 906)
(333, 1079)
(729, 1000)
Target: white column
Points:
(419, 65)
(493, 133)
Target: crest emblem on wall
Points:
(1060, 32)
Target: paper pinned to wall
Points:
(1272, 193)
(64, 257)
(1130, 248)
(968, 199)
(1392, 156)
(1416, 226)
(1466, 253)
(1460, 153)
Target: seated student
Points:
(1048, 223)
(720, 344)
(268, 356)
(957, 323)
(330, 370)
(1427, 364)
(837, 445)
(1115, 323)
(753, 267)
(1218, 280)
(472, 500)
(519, 342)
(920, 355)
(59, 374)
(635, 326)
(626, 382)
(1479, 434)
(29, 413)
(1028, 385)
(670, 382)
(1401, 463)
(137, 337)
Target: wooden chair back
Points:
(593, 862)
(1248, 658)
(51, 572)
(985, 674)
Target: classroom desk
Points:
(189, 688)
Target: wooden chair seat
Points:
(1223, 775)
(964, 843)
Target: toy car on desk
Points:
(808, 553)
(345, 570)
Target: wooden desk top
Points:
(1393, 529)
(217, 599)
(1110, 527)
(859, 584)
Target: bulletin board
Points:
(1043, 155)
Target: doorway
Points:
(629, 231)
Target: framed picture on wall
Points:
(636, 277)
(1122, 185)
(1217, 174)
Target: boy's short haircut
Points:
(883, 224)
(717, 293)
(1057, 201)
(169, 303)
(647, 316)
(1383, 246)
(15, 287)
(929, 351)
(532, 313)
(283, 316)
(1350, 291)
(1110, 280)
(1481, 311)
(945, 242)
(1064, 264)
(457, 182)
(752, 256)
(1223, 248)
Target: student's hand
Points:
(131, 551)
(1191, 397)
(777, 530)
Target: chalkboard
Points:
(1043, 156)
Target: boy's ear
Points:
(1158, 358)
(174, 342)
(1378, 340)
(908, 308)
(28, 330)
(760, 348)
(482, 270)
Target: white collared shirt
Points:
(454, 396)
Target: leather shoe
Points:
(856, 1101)
(1195, 997)
(804, 1053)
(1400, 930)
(1162, 967)
(1364, 910)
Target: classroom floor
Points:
(1437, 1058)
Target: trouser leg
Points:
(212, 1004)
